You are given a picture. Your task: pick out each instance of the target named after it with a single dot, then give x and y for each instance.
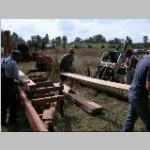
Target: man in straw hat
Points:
(66, 64)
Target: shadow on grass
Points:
(65, 124)
(102, 116)
(22, 124)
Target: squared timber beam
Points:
(47, 100)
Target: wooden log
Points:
(34, 120)
(97, 81)
(111, 88)
(86, 104)
(47, 100)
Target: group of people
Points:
(137, 74)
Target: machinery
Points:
(44, 62)
(110, 64)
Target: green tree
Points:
(90, 40)
(64, 41)
(145, 41)
(17, 39)
(77, 42)
(58, 41)
(99, 38)
(53, 43)
(45, 41)
(36, 42)
(128, 40)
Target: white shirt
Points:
(11, 68)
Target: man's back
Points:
(66, 62)
(140, 76)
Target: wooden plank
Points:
(86, 104)
(39, 79)
(37, 95)
(34, 120)
(48, 114)
(43, 90)
(40, 85)
(44, 84)
(97, 82)
(47, 100)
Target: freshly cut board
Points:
(97, 81)
(86, 104)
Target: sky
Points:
(84, 28)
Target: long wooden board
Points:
(97, 81)
(34, 120)
(86, 104)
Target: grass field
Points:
(75, 119)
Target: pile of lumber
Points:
(41, 102)
(86, 104)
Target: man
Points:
(9, 72)
(66, 65)
(130, 66)
(66, 62)
(138, 96)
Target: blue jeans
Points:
(139, 108)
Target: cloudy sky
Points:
(84, 28)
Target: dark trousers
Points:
(8, 100)
(139, 107)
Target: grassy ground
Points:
(75, 119)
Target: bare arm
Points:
(132, 62)
(126, 63)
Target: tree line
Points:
(38, 42)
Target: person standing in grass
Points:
(138, 96)
(9, 72)
(66, 65)
(129, 65)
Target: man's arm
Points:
(132, 62)
(17, 76)
(126, 63)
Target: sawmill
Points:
(44, 99)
